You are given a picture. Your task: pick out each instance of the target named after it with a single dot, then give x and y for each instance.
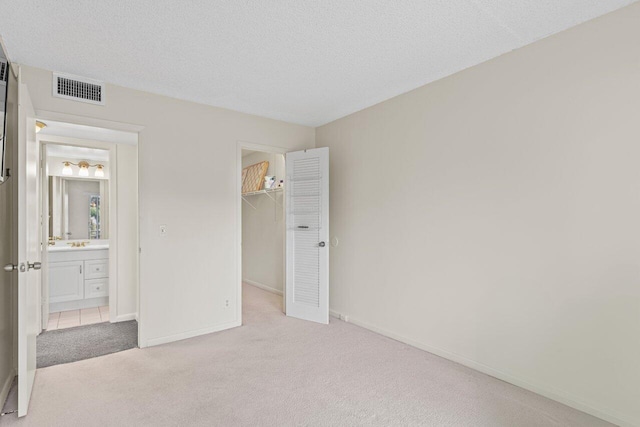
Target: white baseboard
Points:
(339, 316)
(126, 317)
(6, 387)
(190, 334)
(543, 390)
(262, 286)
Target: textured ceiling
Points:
(300, 61)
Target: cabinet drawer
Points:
(96, 269)
(96, 288)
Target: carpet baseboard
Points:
(558, 396)
(263, 286)
(189, 334)
(6, 387)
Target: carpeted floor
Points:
(84, 342)
(278, 371)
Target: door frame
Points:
(112, 186)
(244, 145)
(45, 115)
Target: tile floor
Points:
(85, 316)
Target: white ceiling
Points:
(301, 61)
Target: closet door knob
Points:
(321, 244)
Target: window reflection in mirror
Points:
(94, 216)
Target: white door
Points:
(28, 249)
(307, 223)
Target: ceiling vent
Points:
(78, 89)
(4, 71)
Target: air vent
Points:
(78, 89)
(4, 71)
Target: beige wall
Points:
(263, 230)
(493, 216)
(187, 181)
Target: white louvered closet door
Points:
(307, 222)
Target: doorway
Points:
(303, 209)
(263, 219)
(82, 292)
(76, 208)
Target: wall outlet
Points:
(226, 303)
(163, 230)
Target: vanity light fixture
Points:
(66, 170)
(40, 125)
(84, 169)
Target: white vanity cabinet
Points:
(78, 278)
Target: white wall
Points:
(187, 164)
(263, 230)
(493, 217)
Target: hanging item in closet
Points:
(253, 177)
(269, 182)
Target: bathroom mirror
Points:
(78, 208)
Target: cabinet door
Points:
(66, 281)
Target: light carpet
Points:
(279, 371)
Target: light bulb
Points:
(99, 173)
(66, 170)
(84, 171)
(40, 125)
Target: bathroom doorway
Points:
(77, 208)
(89, 272)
